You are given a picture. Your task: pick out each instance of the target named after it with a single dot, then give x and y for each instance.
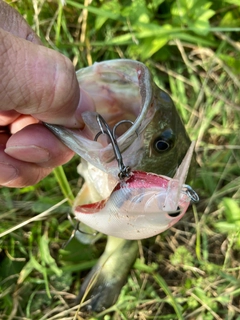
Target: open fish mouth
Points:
(121, 90)
(116, 89)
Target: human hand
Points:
(36, 84)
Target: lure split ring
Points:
(191, 194)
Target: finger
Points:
(13, 22)
(39, 81)
(18, 174)
(36, 144)
(21, 122)
(7, 117)
(4, 136)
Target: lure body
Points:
(136, 208)
(141, 206)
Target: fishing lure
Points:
(142, 204)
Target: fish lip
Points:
(145, 84)
(75, 141)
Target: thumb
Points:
(41, 82)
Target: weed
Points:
(190, 271)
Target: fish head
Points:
(165, 139)
(124, 90)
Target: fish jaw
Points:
(122, 90)
(135, 209)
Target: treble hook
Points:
(124, 171)
(75, 230)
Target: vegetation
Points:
(190, 271)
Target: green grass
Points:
(190, 271)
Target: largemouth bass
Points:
(153, 144)
(136, 208)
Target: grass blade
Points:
(161, 282)
(63, 184)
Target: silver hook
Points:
(120, 122)
(124, 171)
(191, 193)
(76, 229)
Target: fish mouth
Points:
(121, 89)
(114, 89)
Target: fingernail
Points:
(7, 173)
(86, 103)
(28, 153)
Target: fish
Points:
(124, 91)
(153, 144)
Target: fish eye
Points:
(176, 213)
(161, 145)
(165, 141)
